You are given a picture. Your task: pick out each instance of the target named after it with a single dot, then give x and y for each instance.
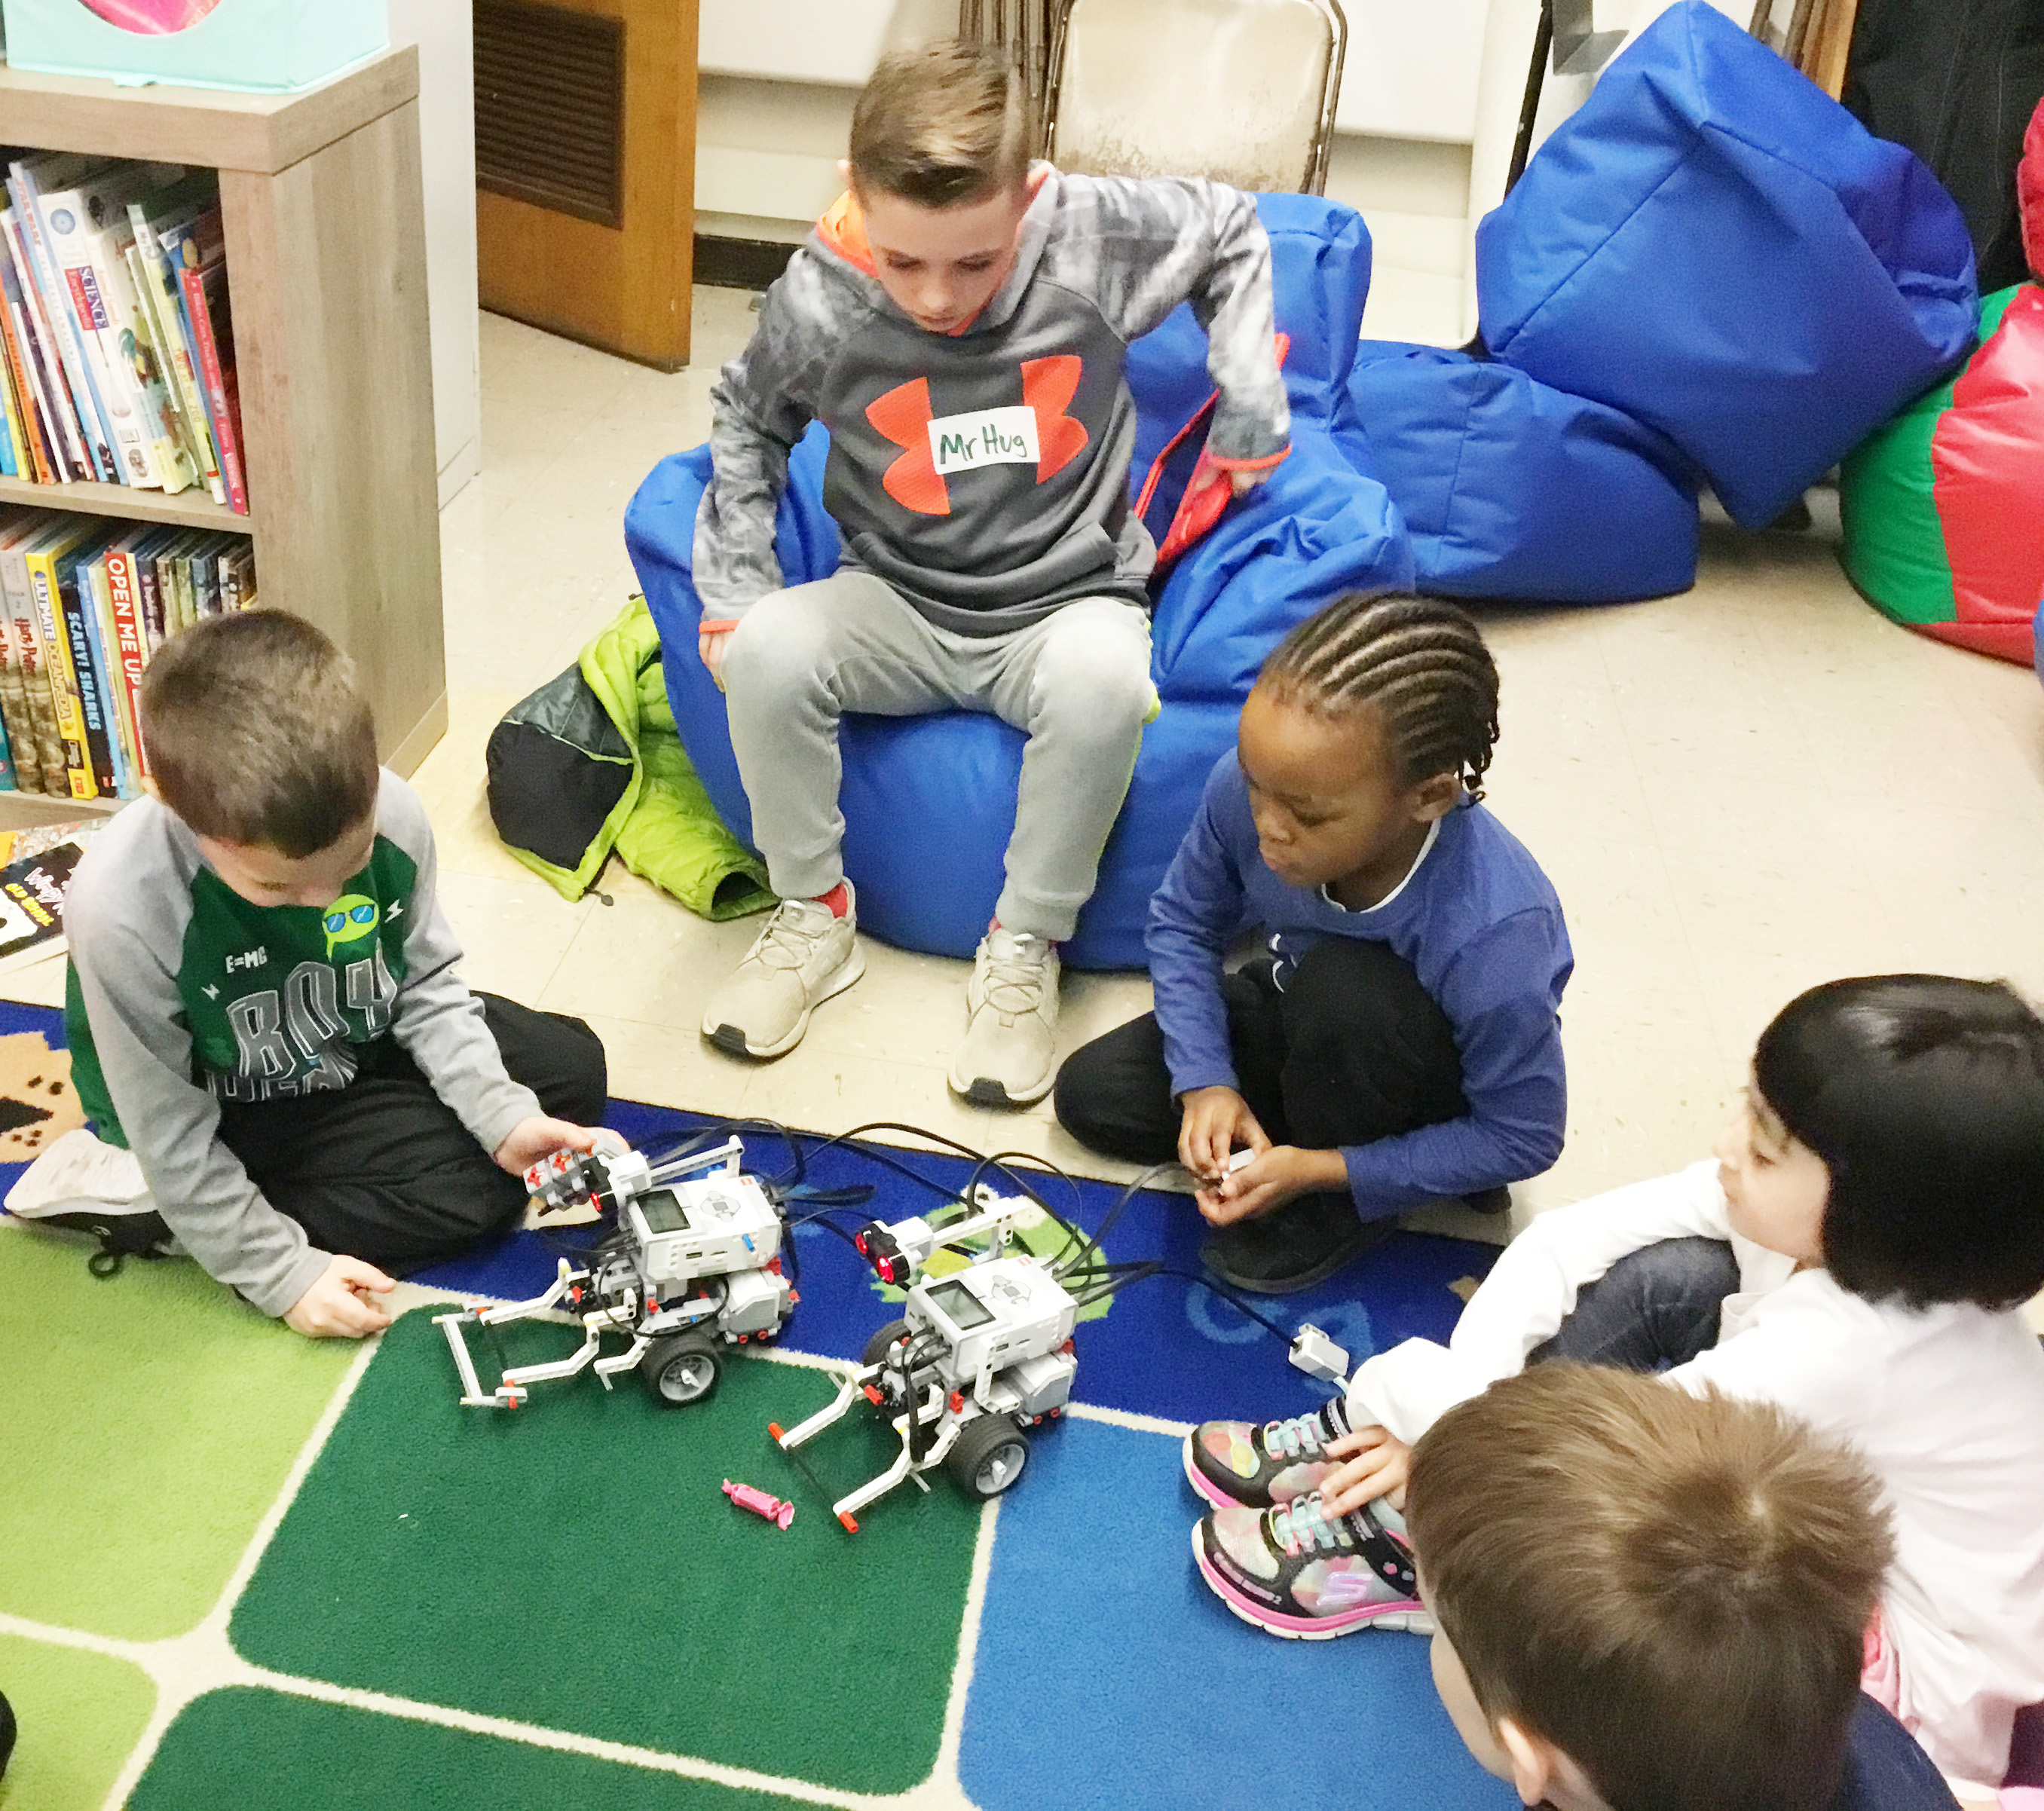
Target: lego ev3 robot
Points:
(981, 1356)
(694, 1268)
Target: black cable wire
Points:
(1101, 1279)
(1112, 1214)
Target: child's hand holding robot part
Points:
(694, 1267)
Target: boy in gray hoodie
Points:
(266, 1027)
(958, 322)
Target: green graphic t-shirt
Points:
(182, 994)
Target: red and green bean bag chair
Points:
(1944, 506)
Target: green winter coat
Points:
(591, 763)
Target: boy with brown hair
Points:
(1649, 1601)
(958, 322)
(265, 1022)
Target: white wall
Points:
(443, 31)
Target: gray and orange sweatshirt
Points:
(984, 474)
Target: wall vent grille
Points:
(550, 108)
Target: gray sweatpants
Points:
(1077, 683)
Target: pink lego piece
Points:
(748, 1497)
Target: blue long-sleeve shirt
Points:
(1480, 925)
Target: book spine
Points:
(14, 337)
(92, 309)
(219, 415)
(154, 631)
(131, 653)
(95, 602)
(66, 433)
(7, 781)
(152, 364)
(13, 711)
(187, 602)
(20, 605)
(14, 458)
(117, 311)
(165, 298)
(56, 311)
(75, 600)
(64, 679)
(205, 584)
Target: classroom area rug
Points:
(250, 1571)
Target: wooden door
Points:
(584, 169)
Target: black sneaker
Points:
(1294, 1247)
(1242, 1465)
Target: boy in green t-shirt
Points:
(262, 1007)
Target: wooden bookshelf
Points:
(188, 509)
(321, 204)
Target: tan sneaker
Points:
(805, 955)
(1009, 1057)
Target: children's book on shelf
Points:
(88, 601)
(26, 179)
(62, 425)
(202, 274)
(36, 867)
(117, 341)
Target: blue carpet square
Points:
(1107, 1674)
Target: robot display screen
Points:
(663, 1209)
(958, 1305)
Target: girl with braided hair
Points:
(1397, 1043)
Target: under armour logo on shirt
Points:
(1038, 433)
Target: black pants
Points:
(1353, 1049)
(383, 1170)
(1656, 1307)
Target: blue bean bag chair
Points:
(929, 801)
(1512, 489)
(1713, 246)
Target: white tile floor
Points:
(1737, 792)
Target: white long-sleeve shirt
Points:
(1946, 1404)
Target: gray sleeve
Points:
(1141, 247)
(437, 1020)
(125, 946)
(759, 407)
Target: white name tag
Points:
(990, 436)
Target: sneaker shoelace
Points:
(1014, 983)
(792, 934)
(1299, 1435)
(1302, 1526)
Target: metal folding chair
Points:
(1241, 90)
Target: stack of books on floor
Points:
(116, 351)
(88, 602)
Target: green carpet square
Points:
(261, 1751)
(80, 1714)
(573, 1564)
(150, 1422)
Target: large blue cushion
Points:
(929, 801)
(1715, 247)
(1512, 489)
